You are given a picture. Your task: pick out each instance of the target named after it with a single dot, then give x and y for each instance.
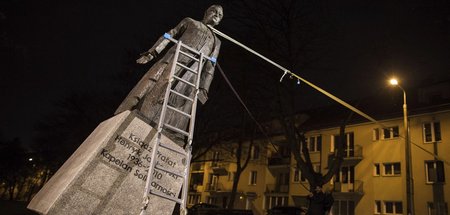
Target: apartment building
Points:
(371, 180)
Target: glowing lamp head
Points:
(393, 82)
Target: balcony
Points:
(196, 188)
(349, 190)
(219, 168)
(194, 198)
(278, 163)
(351, 156)
(214, 187)
(197, 167)
(277, 188)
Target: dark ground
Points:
(14, 208)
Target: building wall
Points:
(424, 191)
(383, 188)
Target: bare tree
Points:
(237, 149)
(291, 33)
(242, 156)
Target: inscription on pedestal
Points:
(108, 172)
(131, 151)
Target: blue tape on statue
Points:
(213, 59)
(167, 36)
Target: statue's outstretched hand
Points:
(144, 59)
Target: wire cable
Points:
(340, 101)
(260, 127)
(286, 71)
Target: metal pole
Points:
(409, 180)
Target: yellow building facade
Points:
(372, 178)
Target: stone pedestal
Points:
(107, 173)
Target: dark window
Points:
(398, 207)
(432, 132)
(392, 169)
(377, 207)
(390, 133)
(377, 169)
(435, 171)
(389, 207)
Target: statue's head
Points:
(213, 15)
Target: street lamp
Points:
(409, 181)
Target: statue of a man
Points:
(148, 95)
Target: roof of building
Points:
(426, 99)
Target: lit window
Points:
(272, 201)
(393, 207)
(215, 159)
(390, 133)
(346, 175)
(253, 177)
(431, 132)
(344, 207)
(349, 146)
(216, 155)
(231, 175)
(194, 198)
(376, 134)
(392, 169)
(377, 207)
(315, 144)
(376, 169)
(298, 176)
(434, 171)
(212, 200)
(283, 178)
(255, 152)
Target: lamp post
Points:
(409, 180)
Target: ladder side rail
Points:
(169, 87)
(194, 104)
(191, 130)
(163, 111)
(186, 182)
(162, 124)
(158, 137)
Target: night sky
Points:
(50, 49)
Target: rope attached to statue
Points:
(286, 71)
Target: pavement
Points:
(14, 208)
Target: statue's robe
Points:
(148, 94)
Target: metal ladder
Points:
(199, 58)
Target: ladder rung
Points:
(181, 175)
(160, 194)
(184, 81)
(176, 129)
(190, 49)
(190, 56)
(187, 68)
(179, 111)
(172, 149)
(181, 95)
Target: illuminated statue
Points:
(148, 95)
